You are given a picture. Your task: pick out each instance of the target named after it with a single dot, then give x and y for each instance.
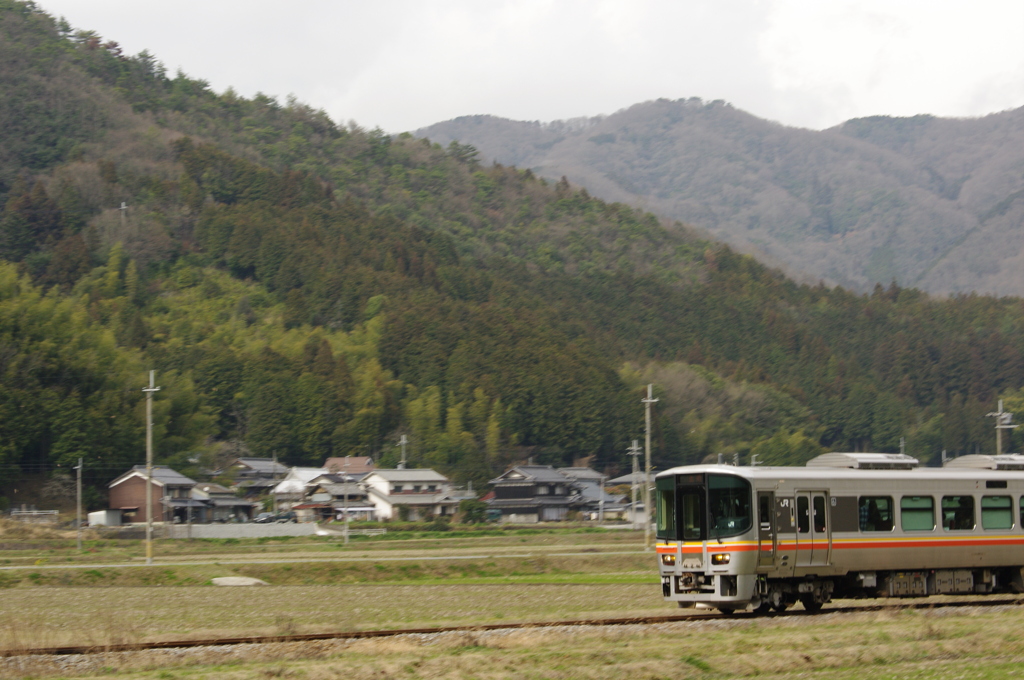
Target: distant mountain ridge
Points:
(929, 202)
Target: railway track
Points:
(364, 634)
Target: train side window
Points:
(764, 512)
(819, 514)
(917, 513)
(958, 513)
(1022, 511)
(803, 515)
(996, 512)
(876, 513)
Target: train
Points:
(845, 526)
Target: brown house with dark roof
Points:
(171, 494)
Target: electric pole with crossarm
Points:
(149, 466)
(647, 466)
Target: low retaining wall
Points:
(242, 530)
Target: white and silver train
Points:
(849, 525)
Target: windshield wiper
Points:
(714, 523)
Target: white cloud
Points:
(403, 64)
(903, 58)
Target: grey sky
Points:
(404, 64)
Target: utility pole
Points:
(1002, 423)
(634, 453)
(78, 489)
(402, 441)
(123, 209)
(149, 465)
(600, 502)
(647, 466)
(275, 483)
(344, 488)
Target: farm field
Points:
(967, 643)
(33, 617)
(25, 546)
(521, 556)
(420, 580)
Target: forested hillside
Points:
(931, 203)
(305, 289)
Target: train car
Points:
(848, 525)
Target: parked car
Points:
(264, 518)
(285, 517)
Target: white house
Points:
(424, 492)
(292, 488)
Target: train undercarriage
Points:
(723, 592)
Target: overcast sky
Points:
(405, 64)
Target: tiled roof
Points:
(262, 465)
(350, 464)
(210, 487)
(532, 473)
(581, 473)
(162, 475)
(628, 479)
(419, 475)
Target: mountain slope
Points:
(924, 201)
(306, 289)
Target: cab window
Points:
(729, 505)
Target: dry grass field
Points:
(950, 644)
(428, 581)
(34, 617)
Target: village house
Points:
(255, 477)
(331, 496)
(292, 489)
(534, 493)
(415, 494)
(597, 503)
(222, 504)
(171, 495)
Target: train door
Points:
(812, 530)
(785, 535)
(766, 528)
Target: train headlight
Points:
(720, 558)
(668, 560)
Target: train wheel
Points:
(764, 607)
(810, 604)
(776, 599)
(728, 611)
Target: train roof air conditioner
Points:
(865, 461)
(1006, 461)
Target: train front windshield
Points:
(697, 507)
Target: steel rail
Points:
(393, 632)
